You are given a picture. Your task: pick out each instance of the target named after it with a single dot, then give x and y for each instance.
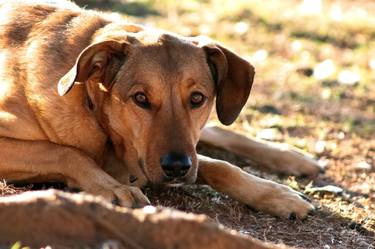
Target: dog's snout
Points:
(175, 164)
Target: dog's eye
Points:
(197, 99)
(141, 100)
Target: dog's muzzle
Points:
(175, 165)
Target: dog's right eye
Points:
(197, 99)
(141, 100)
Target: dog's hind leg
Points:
(279, 158)
(22, 160)
(256, 192)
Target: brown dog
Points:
(110, 106)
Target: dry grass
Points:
(334, 121)
(6, 189)
(340, 221)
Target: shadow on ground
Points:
(324, 229)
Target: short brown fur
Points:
(69, 78)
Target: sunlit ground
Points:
(314, 89)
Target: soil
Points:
(333, 121)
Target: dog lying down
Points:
(109, 106)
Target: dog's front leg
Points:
(42, 161)
(256, 192)
(279, 158)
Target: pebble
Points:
(241, 27)
(149, 209)
(348, 77)
(363, 165)
(320, 146)
(324, 70)
(326, 189)
(372, 64)
(260, 56)
(110, 244)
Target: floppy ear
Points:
(100, 60)
(233, 77)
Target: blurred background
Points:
(314, 89)
(315, 61)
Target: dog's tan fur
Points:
(94, 136)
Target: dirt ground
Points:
(314, 89)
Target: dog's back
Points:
(46, 32)
(21, 20)
(39, 43)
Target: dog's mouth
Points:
(174, 182)
(175, 185)
(169, 182)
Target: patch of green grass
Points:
(18, 245)
(360, 127)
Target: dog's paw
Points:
(292, 162)
(125, 196)
(285, 202)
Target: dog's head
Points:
(153, 94)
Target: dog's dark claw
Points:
(132, 179)
(116, 201)
(305, 197)
(292, 216)
(311, 212)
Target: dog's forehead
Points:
(164, 58)
(167, 53)
(150, 36)
(168, 46)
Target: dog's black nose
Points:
(175, 164)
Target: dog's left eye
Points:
(141, 100)
(197, 99)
